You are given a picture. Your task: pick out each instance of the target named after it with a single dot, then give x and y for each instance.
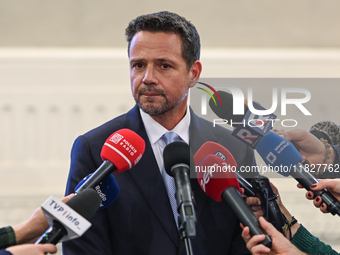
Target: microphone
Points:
(259, 186)
(253, 127)
(327, 130)
(284, 158)
(177, 164)
(69, 220)
(108, 190)
(121, 151)
(227, 189)
(226, 111)
(270, 207)
(222, 152)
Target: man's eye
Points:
(138, 65)
(165, 66)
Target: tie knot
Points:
(170, 137)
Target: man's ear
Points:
(195, 72)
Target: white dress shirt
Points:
(155, 131)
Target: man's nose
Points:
(150, 76)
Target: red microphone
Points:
(223, 185)
(223, 153)
(213, 167)
(217, 150)
(121, 151)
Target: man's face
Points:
(158, 72)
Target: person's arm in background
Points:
(7, 237)
(30, 249)
(310, 147)
(27, 231)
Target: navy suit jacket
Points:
(140, 221)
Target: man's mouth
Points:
(151, 94)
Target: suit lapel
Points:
(199, 134)
(148, 178)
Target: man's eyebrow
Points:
(137, 60)
(166, 60)
(158, 60)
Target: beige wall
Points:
(64, 70)
(221, 23)
(50, 96)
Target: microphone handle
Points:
(185, 201)
(188, 246)
(53, 234)
(104, 170)
(244, 214)
(248, 188)
(306, 179)
(271, 208)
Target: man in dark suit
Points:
(164, 51)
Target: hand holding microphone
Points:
(32, 249)
(309, 146)
(29, 230)
(258, 186)
(280, 245)
(69, 220)
(223, 185)
(286, 160)
(332, 185)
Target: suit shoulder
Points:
(107, 128)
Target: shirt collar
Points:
(155, 130)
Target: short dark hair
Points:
(169, 22)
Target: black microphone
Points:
(108, 190)
(177, 164)
(68, 220)
(270, 207)
(225, 111)
(251, 128)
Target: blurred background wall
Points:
(64, 70)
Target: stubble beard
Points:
(157, 108)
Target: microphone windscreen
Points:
(176, 153)
(214, 177)
(215, 149)
(225, 111)
(86, 203)
(108, 190)
(327, 130)
(124, 148)
(278, 152)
